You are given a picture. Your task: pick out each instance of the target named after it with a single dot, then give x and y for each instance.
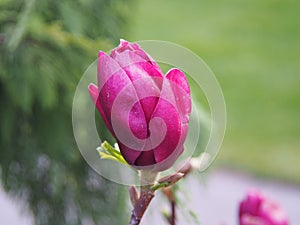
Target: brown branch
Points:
(170, 196)
(147, 193)
(173, 213)
(141, 205)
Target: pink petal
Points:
(142, 74)
(175, 100)
(107, 67)
(259, 209)
(177, 76)
(135, 121)
(271, 212)
(135, 59)
(146, 158)
(166, 110)
(94, 93)
(129, 154)
(127, 46)
(140, 159)
(173, 131)
(181, 91)
(117, 97)
(168, 162)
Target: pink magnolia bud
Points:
(257, 209)
(147, 112)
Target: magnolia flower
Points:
(257, 209)
(146, 112)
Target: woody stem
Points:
(147, 179)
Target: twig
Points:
(148, 189)
(173, 212)
(141, 205)
(170, 195)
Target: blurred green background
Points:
(45, 46)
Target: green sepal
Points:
(106, 151)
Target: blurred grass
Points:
(253, 48)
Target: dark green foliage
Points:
(45, 46)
